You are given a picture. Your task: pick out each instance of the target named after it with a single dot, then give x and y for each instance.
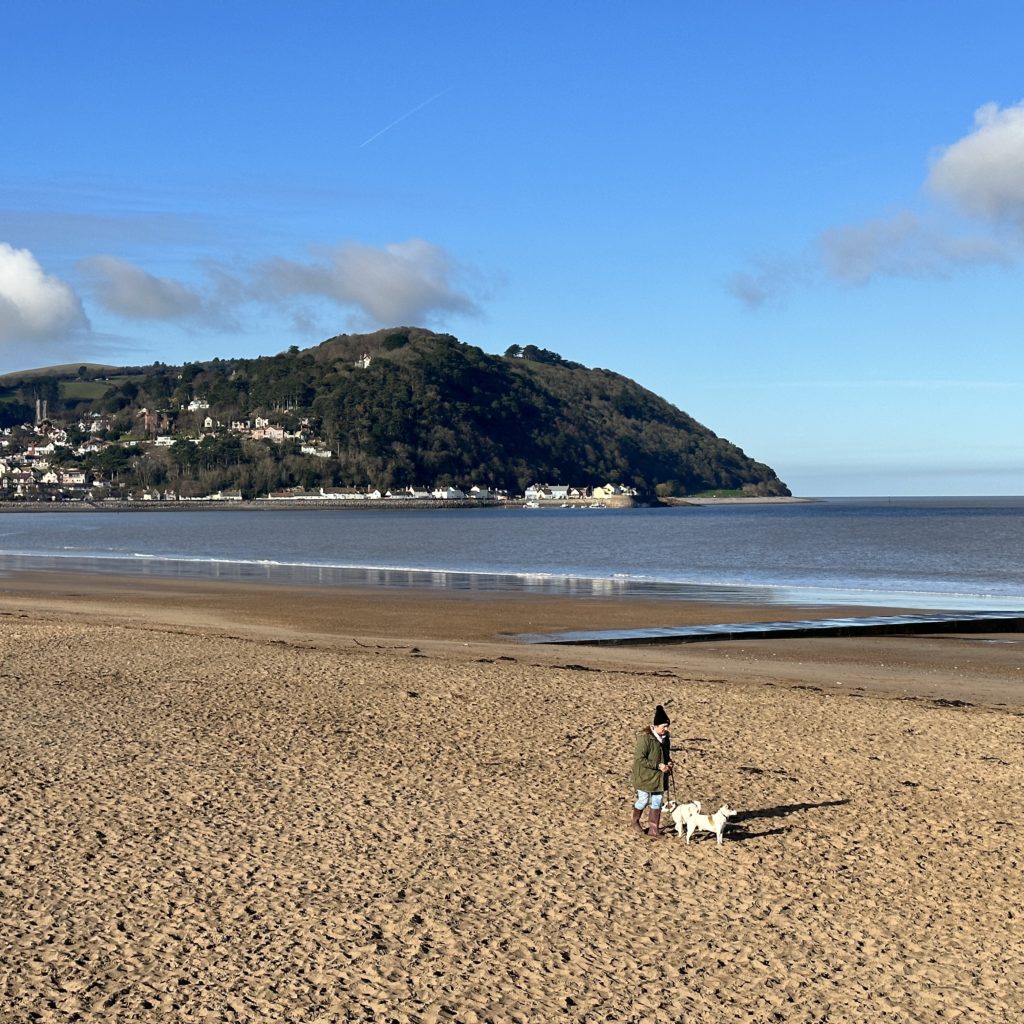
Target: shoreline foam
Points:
(619, 585)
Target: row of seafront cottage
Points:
(536, 494)
(31, 476)
(33, 468)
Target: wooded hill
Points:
(407, 406)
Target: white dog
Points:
(708, 822)
(680, 813)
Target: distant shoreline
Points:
(257, 505)
(775, 500)
(385, 505)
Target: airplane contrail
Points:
(399, 120)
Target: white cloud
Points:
(132, 292)
(405, 282)
(34, 305)
(904, 245)
(983, 173)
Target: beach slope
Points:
(200, 825)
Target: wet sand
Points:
(242, 803)
(463, 625)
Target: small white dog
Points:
(708, 822)
(680, 812)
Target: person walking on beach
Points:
(652, 765)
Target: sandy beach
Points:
(227, 802)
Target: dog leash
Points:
(670, 782)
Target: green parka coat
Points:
(648, 753)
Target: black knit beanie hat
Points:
(660, 718)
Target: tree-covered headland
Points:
(388, 410)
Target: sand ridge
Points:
(208, 828)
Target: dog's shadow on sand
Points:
(738, 832)
(785, 810)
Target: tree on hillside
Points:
(13, 414)
(184, 458)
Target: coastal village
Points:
(50, 461)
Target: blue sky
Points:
(801, 223)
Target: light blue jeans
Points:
(642, 799)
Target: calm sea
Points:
(948, 553)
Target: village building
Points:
(293, 494)
(53, 433)
(275, 434)
(21, 481)
(343, 493)
(554, 492)
(316, 451)
(613, 491)
(448, 493)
